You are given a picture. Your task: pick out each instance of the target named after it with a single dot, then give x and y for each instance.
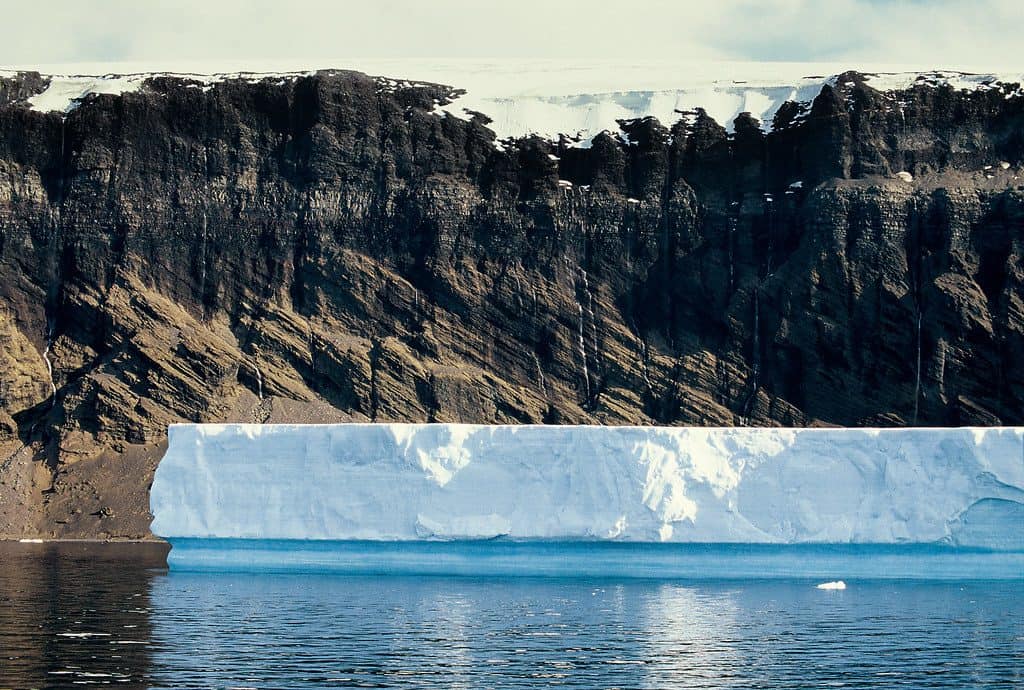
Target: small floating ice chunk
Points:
(905, 176)
(631, 200)
(1004, 165)
(838, 584)
(799, 184)
(553, 157)
(83, 634)
(565, 184)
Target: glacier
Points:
(956, 486)
(546, 98)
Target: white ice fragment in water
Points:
(905, 176)
(83, 634)
(1004, 165)
(838, 584)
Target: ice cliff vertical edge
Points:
(961, 486)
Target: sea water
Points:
(601, 559)
(533, 615)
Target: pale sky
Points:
(939, 33)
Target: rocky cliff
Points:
(328, 247)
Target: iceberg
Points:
(963, 487)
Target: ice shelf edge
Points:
(648, 484)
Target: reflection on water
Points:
(75, 613)
(310, 630)
(686, 627)
(316, 631)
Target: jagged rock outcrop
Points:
(321, 248)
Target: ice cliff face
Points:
(452, 481)
(332, 247)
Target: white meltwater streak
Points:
(452, 481)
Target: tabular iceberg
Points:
(459, 481)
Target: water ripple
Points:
(66, 621)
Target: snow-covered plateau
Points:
(551, 98)
(962, 486)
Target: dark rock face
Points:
(326, 249)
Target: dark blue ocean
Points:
(509, 615)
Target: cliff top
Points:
(546, 97)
